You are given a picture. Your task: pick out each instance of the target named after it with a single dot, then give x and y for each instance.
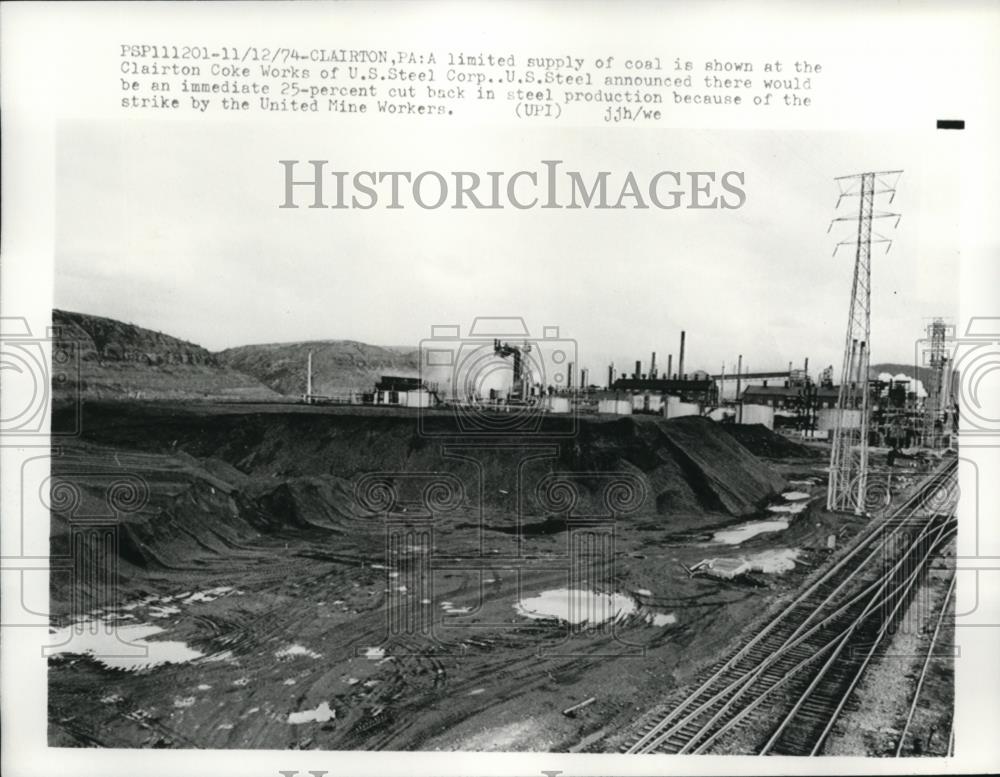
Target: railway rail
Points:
(932, 653)
(783, 690)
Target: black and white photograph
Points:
(648, 417)
(662, 505)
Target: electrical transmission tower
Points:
(849, 455)
(937, 400)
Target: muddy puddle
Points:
(117, 638)
(321, 714)
(794, 503)
(291, 651)
(120, 646)
(769, 562)
(774, 518)
(743, 532)
(776, 561)
(576, 606)
(792, 508)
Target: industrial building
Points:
(402, 391)
(792, 396)
(669, 394)
(793, 401)
(703, 391)
(733, 384)
(889, 409)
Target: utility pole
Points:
(739, 386)
(849, 453)
(309, 378)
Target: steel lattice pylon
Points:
(849, 455)
(936, 401)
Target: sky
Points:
(175, 226)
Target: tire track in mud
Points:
(166, 735)
(409, 702)
(508, 662)
(415, 675)
(250, 640)
(499, 665)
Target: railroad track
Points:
(932, 653)
(801, 668)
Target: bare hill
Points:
(339, 366)
(123, 361)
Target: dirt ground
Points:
(289, 618)
(876, 716)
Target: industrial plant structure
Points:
(859, 412)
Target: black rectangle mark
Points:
(951, 124)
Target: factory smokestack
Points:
(739, 385)
(805, 368)
(638, 369)
(670, 366)
(309, 376)
(680, 359)
(569, 376)
(652, 366)
(611, 375)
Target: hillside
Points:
(339, 366)
(124, 361)
(121, 360)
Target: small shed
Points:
(396, 390)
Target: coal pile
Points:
(761, 441)
(307, 459)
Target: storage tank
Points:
(826, 419)
(417, 398)
(614, 407)
(557, 404)
(759, 414)
(674, 408)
